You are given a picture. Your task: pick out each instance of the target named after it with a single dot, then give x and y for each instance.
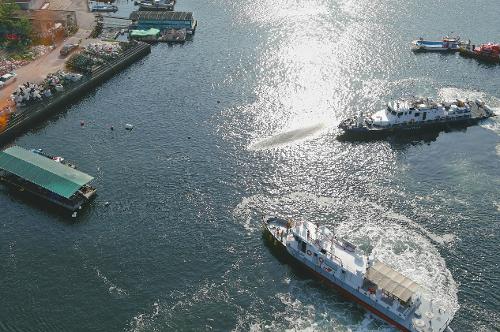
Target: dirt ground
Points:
(52, 61)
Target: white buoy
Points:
(128, 126)
(74, 214)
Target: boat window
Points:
(399, 115)
(303, 247)
(323, 251)
(409, 112)
(417, 114)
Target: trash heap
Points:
(31, 93)
(94, 54)
(7, 66)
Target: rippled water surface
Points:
(239, 123)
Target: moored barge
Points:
(45, 178)
(369, 282)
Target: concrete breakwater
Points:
(22, 119)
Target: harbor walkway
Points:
(52, 61)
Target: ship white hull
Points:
(313, 261)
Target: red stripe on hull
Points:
(357, 300)
(346, 293)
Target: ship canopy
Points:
(42, 171)
(391, 281)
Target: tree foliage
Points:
(15, 28)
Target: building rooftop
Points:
(160, 16)
(42, 171)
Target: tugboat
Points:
(369, 282)
(416, 114)
(487, 52)
(447, 44)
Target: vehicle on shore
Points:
(416, 114)
(389, 295)
(7, 79)
(68, 48)
(447, 44)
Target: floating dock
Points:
(45, 178)
(21, 120)
(163, 20)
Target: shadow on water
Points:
(402, 140)
(49, 208)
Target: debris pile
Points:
(93, 55)
(7, 66)
(30, 93)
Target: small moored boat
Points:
(167, 5)
(444, 45)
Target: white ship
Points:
(374, 285)
(416, 114)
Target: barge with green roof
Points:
(45, 178)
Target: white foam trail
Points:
(288, 137)
(492, 123)
(112, 288)
(406, 246)
(442, 240)
(451, 93)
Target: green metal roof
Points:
(145, 33)
(42, 171)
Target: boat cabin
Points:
(395, 290)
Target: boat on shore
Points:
(416, 114)
(55, 158)
(447, 44)
(391, 296)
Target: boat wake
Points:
(288, 137)
(113, 289)
(405, 245)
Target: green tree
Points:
(13, 22)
